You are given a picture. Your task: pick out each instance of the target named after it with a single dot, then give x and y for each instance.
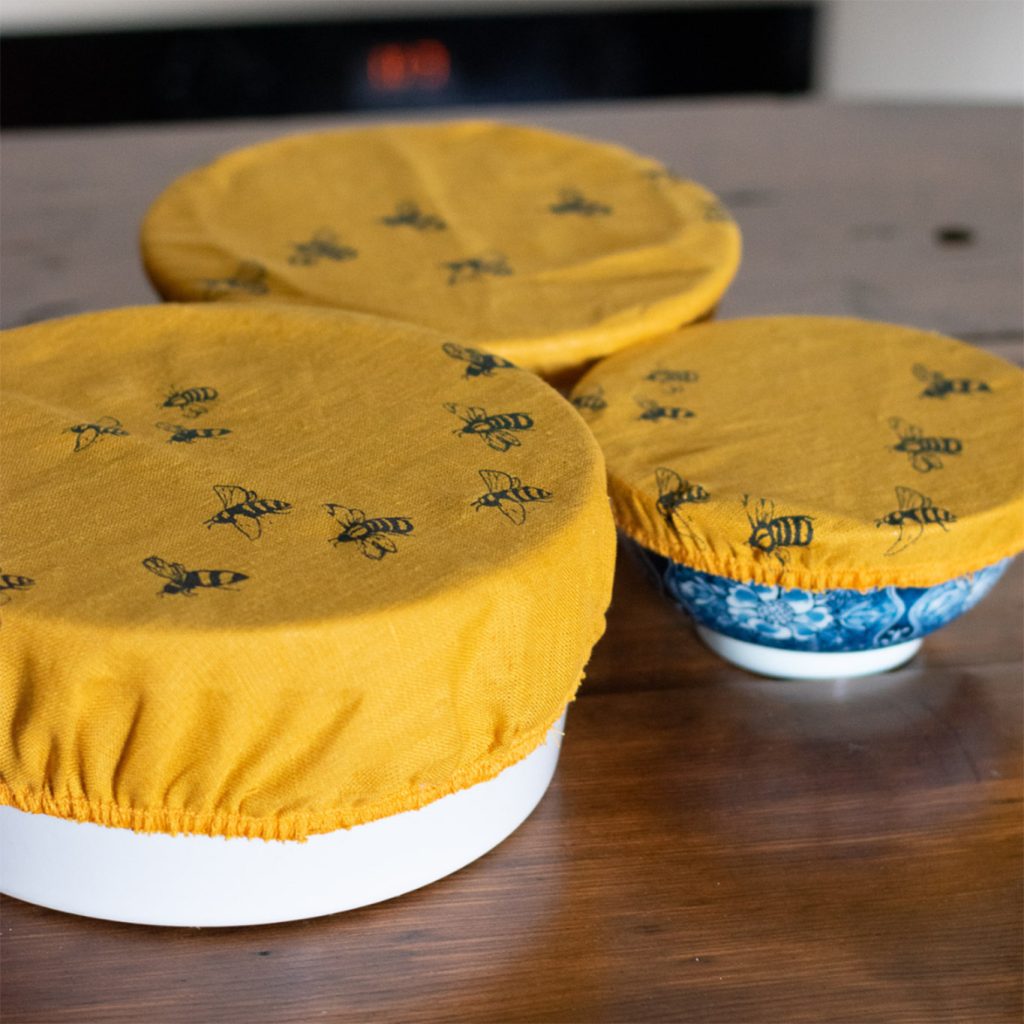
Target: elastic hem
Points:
(295, 828)
(625, 503)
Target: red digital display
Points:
(398, 67)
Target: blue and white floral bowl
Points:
(803, 634)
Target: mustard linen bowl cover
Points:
(544, 248)
(813, 452)
(271, 571)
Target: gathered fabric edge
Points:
(548, 356)
(625, 504)
(295, 828)
(545, 355)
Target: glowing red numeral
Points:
(426, 64)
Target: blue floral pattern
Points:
(831, 620)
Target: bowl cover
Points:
(271, 571)
(813, 452)
(544, 248)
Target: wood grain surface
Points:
(715, 847)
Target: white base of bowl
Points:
(784, 664)
(206, 881)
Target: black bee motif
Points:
(187, 581)
(481, 364)
(87, 434)
(914, 512)
(939, 385)
(187, 435)
(408, 213)
(243, 509)
(656, 411)
(475, 267)
(324, 245)
(662, 173)
(715, 212)
(371, 536)
(925, 452)
(192, 402)
(509, 495)
(572, 201)
(249, 277)
(496, 431)
(10, 584)
(591, 401)
(673, 493)
(672, 381)
(773, 534)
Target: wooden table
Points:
(715, 847)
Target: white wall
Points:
(36, 16)
(960, 50)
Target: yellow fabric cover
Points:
(813, 452)
(183, 646)
(544, 248)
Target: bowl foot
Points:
(785, 664)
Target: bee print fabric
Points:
(235, 536)
(547, 250)
(813, 452)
